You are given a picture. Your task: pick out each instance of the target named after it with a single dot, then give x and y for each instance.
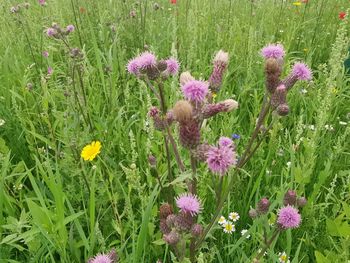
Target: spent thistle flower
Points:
(188, 203)
(220, 64)
(182, 111)
(172, 238)
(288, 217)
(165, 210)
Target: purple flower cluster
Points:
(275, 51)
(195, 90)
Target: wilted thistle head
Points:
(195, 90)
(182, 111)
(288, 217)
(302, 72)
(279, 96)
(263, 206)
(221, 57)
(253, 213)
(220, 159)
(273, 51)
(290, 198)
(185, 77)
(188, 203)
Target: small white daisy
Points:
(343, 123)
(222, 220)
(312, 127)
(243, 232)
(2, 122)
(283, 258)
(234, 216)
(229, 228)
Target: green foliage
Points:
(54, 207)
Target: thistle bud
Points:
(165, 210)
(184, 221)
(196, 230)
(189, 134)
(279, 96)
(182, 111)
(253, 213)
(162, 65)
(164, 227)
(301, 202)
(185, 77)
(210, 110)
(290, 198)
(172, 238)
(283, 109)
(152, 160)
(170, 220)
(263, 206)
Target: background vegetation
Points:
(54, 207)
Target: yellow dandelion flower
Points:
(297, 4)
(91, 150)
(334, 90)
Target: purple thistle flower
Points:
(42, 2)
(101, 258)
(195, 90)
(273, 51)
(133, 66)
(51, 32)
(172, 66)
(146, 60)
(220, 159)
(49, 71)
(225, 142)
(288, 217)
(45, 54)
(302, 72)
(70, 28)
(188, 203)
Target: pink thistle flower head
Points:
(273, 51)
(195, 90)
(225, 142)
(45, 54)
(133, 66)
(220, 159)
(42, 2)
(188, 203)
(172, 66)
(302, 72)
(288, 217)
(49, 71)
(101, 258)
(146, 60)
(70, 28)
(51, 32)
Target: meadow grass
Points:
(54, 207)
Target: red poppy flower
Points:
(173, 1)
(342, 15)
